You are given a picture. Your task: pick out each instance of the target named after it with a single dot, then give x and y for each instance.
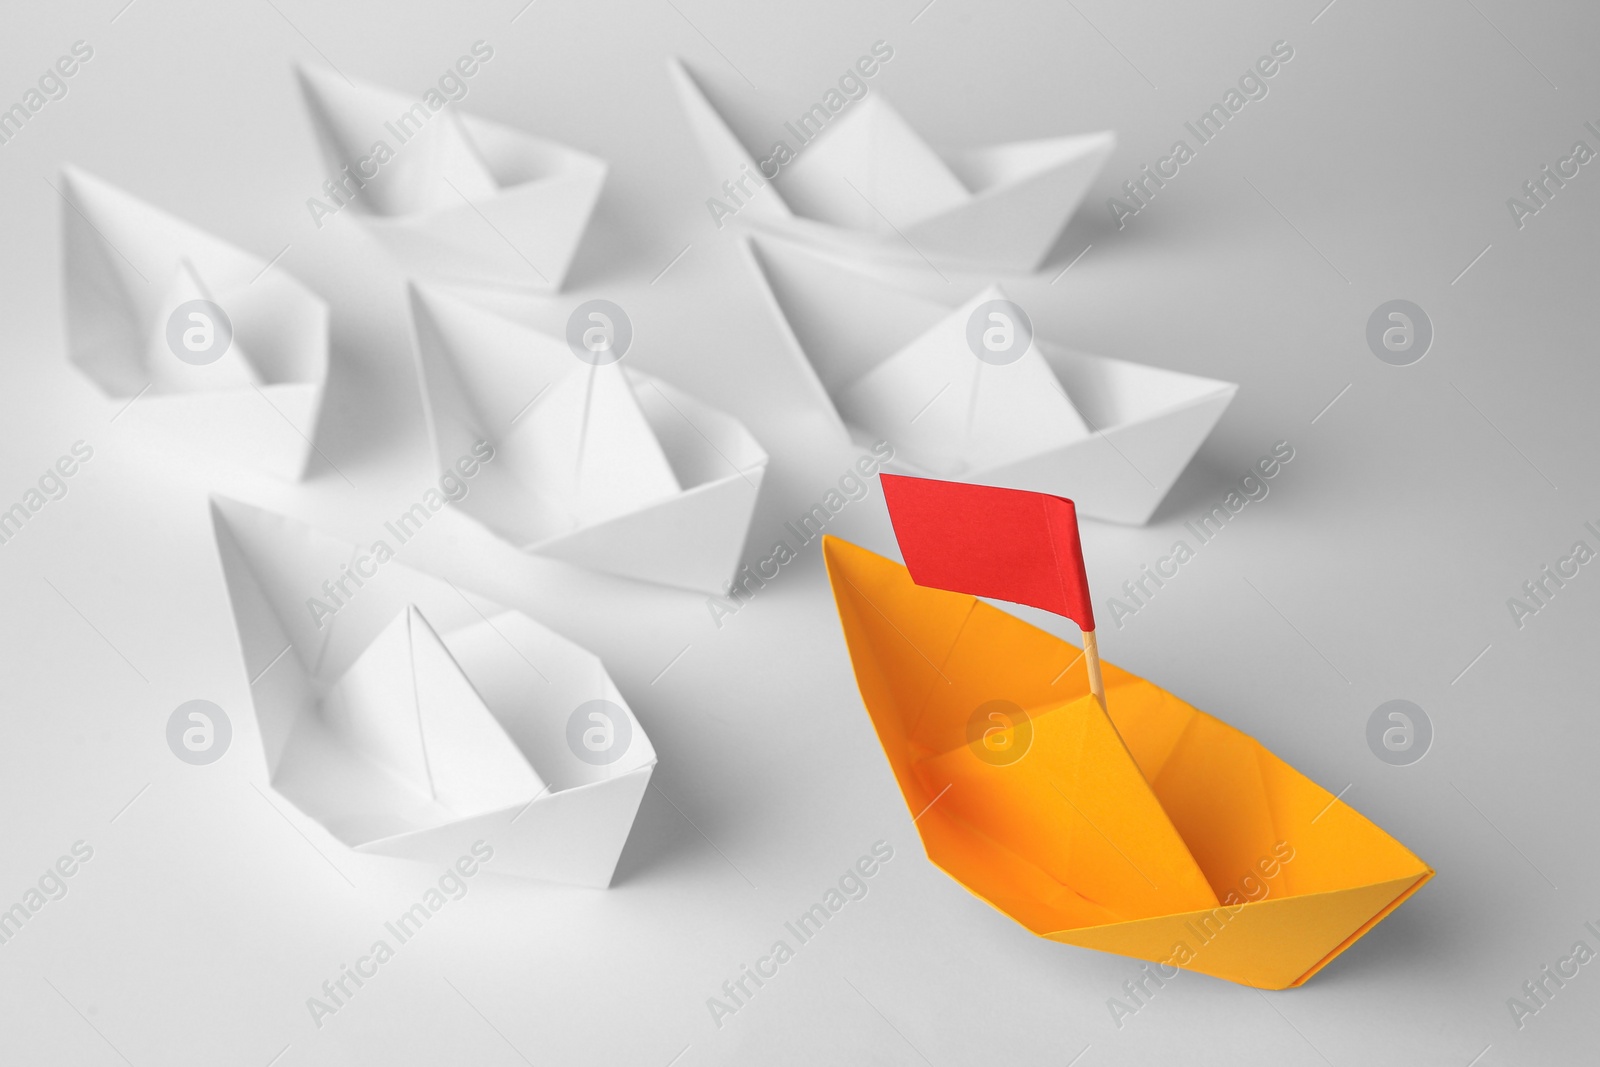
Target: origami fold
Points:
(1110, 434)
(866, 184)
(454, 198)
(1154, 831)
(128, 270)
(413, 718)
(605, 467)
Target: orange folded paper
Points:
(1154, 831)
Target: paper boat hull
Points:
(476, 371)
(1012, 226)
(1123, 472)
(692, 541)
(1272, 944)
(1023, 193)
(1007, 231)
(482, 702)
(270, 430)
(524, 239)
(517, 227)
(574, 837)
(113, 308)
(1147, 422)
(1155, 831)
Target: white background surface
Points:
(1380, 164)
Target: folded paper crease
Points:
(127, 266)
(454, 198)
(605, 467)
(887, 364)
(1151, 830)
(868, 185)
(414, 718)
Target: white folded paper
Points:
(130, 270)
(1110, 434)
(415, 718)
(869, 186)
(601, 466)
(454, 198)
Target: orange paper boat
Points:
(1155, 831)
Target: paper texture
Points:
(999, 543)
(409, 718)
(605, 467)
(1156, 831)
(128, 269)
(1110, 434)
(454, 198)
(867, 185)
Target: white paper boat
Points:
(605, 467)
(416, 719)
(462, 201)
(1110, 434)
(869, 186)
(129, 269)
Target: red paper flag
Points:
(1008, 544)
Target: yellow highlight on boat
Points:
(1149, 829)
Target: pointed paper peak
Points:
(142, 237)
(854, 176)
(480, 341)
(128, 265)
(843, 321)
(729, 152)
(185, 324)
(867, 169)
(351, 112)
(433, 717)
(588, 446)
(575, 436)
(971, 392)
(406, 156)
(88, 192)
(407, 706)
